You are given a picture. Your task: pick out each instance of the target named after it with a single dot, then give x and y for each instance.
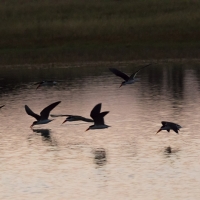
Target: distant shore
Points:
(74, 31)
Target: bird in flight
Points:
(169, 126)
(46, 83)
(127, 79)
(72, 118)
(44, 114)
(98, 118)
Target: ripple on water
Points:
(125, 161)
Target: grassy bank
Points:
(91, 30)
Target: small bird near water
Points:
(44, 114)
(98, 118)
(169, 126)
(127, 79)
(46, 83)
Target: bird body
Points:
(46, 83)
(45, 121)
(44, 114)
(78, 118)
(2, 106)
(102, 126)
(98, 118)
(169, 126)
(127, 79)
(71, 118)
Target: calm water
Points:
(125, 161)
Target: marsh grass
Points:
(56, 30)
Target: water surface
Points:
(125, 161)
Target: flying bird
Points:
(46, 83)
(169, 126)
(98, 118)
(127, 79)
(44, 114)
(72, 118)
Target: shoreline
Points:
(97, 63)
(120, 54)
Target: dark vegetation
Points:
(35, 31)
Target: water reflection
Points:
(172, 153)
(171, 76)
(46, 135)
(100, 156)
(175, 81)
(127, 160)
(168, 150)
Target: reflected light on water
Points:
(125, 161)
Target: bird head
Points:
(158, 131)
(70, 118)
(64, 121)
(34, 123)
(90, 127)
(161, 128)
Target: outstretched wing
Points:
(99, 119)
(174, 127)
(60, 115)
(95, 111)
(171, 125)
(135, 73)
(31, 113)
(2, 106)
(45, 112)
(119, 73)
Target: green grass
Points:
(91, 30)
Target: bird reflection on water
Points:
(128, 153)
(100, 156)
(169, 150)
(46, 135)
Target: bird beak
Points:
(87, 129)
(121, 85)
(64, 121)
(158, 131)
(37, 86)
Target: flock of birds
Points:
(96, 114)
